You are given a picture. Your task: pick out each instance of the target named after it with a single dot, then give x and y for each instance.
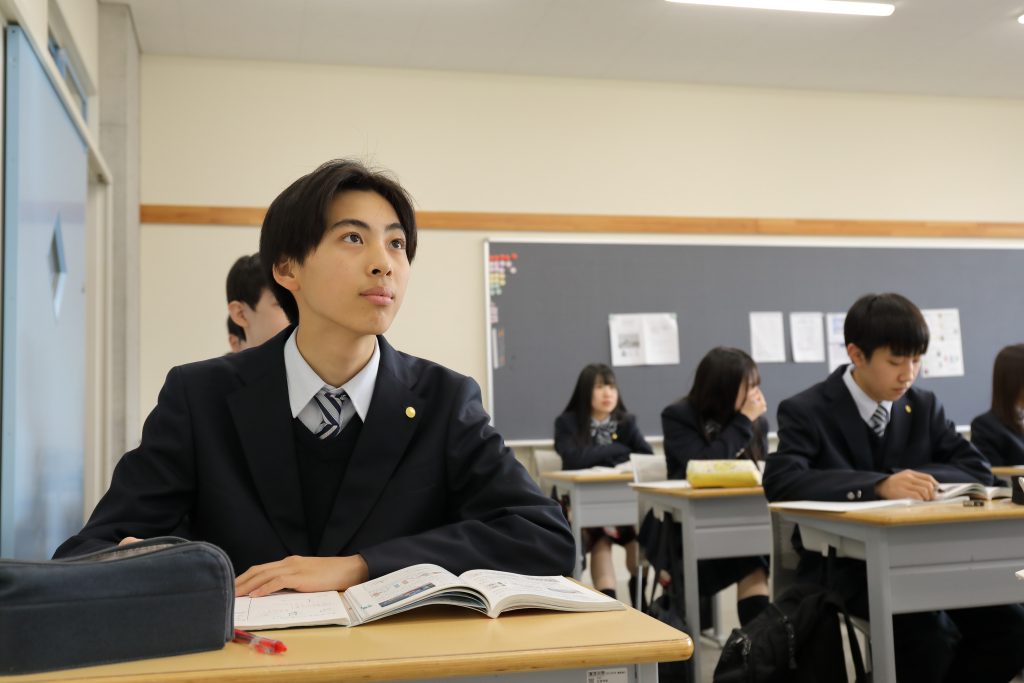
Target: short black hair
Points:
(235, 329)
(297, 219)
(890, 320)
(246, 281)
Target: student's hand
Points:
(303, 574)
(755, 406)
(128, 539)
(907, 484)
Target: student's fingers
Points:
(129, 539)
(255, 576)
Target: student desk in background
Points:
(427, 643)
(595, 499)
(926, 557)
(1008, 471)
(726, 522)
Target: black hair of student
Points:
(582, 399)
(1008, 387)
(877, 321)
(246, 281)
(716, 383)
(297, 219)
(235, 329)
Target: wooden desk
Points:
(928, 557)
(1008, 470)
(427, 643)
(595, 499)
(730, 522)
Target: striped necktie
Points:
(330, 404)
(879, 419)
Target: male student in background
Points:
(866, 433)
(254, 315)
(325, 457)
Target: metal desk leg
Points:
(577, 530)
(690, 579)
(883, 655)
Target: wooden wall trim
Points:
(571, 223)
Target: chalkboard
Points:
(549, 305)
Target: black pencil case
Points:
(157, 597)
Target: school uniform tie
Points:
(330, 404)
(879, 419)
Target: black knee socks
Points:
(750, 607)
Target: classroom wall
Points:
(233, 133)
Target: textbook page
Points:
(407, 588)
(668, 484)
(839, 506)
(284, 610)
(972, 490)
(506, 591)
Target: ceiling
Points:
(972, 48)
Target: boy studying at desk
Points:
(866, 434)
(324, 457)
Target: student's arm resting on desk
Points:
(954, 459)
(499, 519)
(152, 486)
(631, 437)
(577, 457)
(797, 471)
(684, 440)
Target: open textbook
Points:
(945, 493)
(488, 591)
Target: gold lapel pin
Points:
(907, 408)
(615, 436)
(410, 412)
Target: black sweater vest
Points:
(322, 464)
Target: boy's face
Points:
(356, 277)
(885, 376)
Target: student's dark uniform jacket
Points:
(432, 484)
(686, 438)
(626, 439)
(827, 452)
(996, 441)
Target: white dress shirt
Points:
(865, 404)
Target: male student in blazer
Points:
(242, 445)
(865, 434)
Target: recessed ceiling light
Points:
(1020, 19)
(871, 9)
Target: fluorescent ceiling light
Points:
(1020, 19)
(871, 9)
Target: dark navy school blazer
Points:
(439, 487)
(825, 450)
(996, 441)
(628, 439)
(685, 440)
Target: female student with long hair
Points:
(999, 433)
(595, 429)
(722, 418)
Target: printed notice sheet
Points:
(836, 340)
(807, 337)
(945, 356)
(644, 338)
(767, 337)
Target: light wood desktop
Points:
(1008, 470)
(920, 558)
(595, 499)
(715, 522)
(427, 643)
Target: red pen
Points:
(267, 646)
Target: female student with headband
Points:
(999, 433)
(722, 418)
(595, 429)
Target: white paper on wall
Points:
(644, 339)
(767, 337)
(807, 337)
(945, 355)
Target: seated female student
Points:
(999, 433)
(722, 418)
(595, 429)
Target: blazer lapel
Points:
(262, 416)
(853, 428)
(381, 445)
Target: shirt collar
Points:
(304, 383)
(865, 404)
